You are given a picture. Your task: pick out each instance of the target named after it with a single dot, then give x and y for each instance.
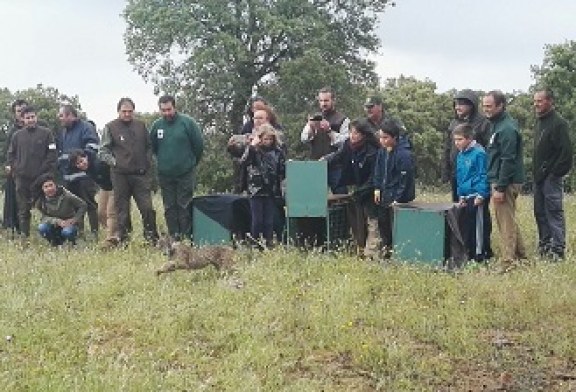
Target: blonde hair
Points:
(267, 130)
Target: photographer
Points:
(263, 167)
(325, 132)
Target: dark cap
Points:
(373, 100)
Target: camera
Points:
(316, 117)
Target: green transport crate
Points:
(420, 232)
(312, 218)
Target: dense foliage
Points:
(215, 53)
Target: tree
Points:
(6, 100)
(47, 102)
(558, 72)
(216, 52)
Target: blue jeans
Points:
(56, 235)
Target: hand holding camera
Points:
(318, 123)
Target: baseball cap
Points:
(373, 100)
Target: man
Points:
(32, 153)
(552, 160)
(77, 134)
(505, 173)
(325, 132)
(10, 211)
(178, 145)
(465, 112)
(126, 149)
(375, 115)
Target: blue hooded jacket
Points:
(471, 178)
(394, 174)
(80, 136)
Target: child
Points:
(357, 156)
(61, 212)
(264, 167)
(393, 178)
(473, 192)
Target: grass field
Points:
(84, 320)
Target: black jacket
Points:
(263, 171)
(357, 167)
(553, 151)
(98, 170)
(32, 152)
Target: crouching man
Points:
(61, 211)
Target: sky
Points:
(77, 46)
(481, 44)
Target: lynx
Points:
(182, 256)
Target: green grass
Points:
(84, 320)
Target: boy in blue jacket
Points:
(393, 178)
(473, 192)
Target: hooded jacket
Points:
(394, 174)
(480, 126)
(471, 172)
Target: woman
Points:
(357, 156)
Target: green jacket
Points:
(505, 153)
(552, 147)
(64, 205)
(178, 145)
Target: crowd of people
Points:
(75, 171)
(369, 158)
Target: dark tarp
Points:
(230, 211)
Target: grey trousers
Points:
(549, 214)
